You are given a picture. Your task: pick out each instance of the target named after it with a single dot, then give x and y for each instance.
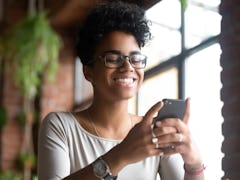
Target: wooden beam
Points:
(75, 11)
(149, 3)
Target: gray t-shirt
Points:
(66, 147)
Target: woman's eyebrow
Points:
(113, 51)
(135, 52)
(119, 52)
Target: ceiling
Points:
(66, 13)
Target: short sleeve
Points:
(53, 156)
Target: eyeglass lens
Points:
(114, 60)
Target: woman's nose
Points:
(126, 64)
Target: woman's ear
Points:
(87, 71)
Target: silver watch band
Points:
(102, 170)
(110, 177)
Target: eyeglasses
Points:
(116, 59)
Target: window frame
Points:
(178, 61)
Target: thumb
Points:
(187, 112)
(148, 118)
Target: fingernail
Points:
(154, 140)
(158, 123)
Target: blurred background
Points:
(194, 53)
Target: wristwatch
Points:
(102, 170)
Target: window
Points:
(161, 86)
(184, 61)
(203, 86)
(165, 30)
(83, 89)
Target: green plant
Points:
(9, 175)
(31, 55)
(27, 159)
(3, 121)
(33, 47)
(184, 4)
(3, 116)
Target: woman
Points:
(104, 141)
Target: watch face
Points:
(99, 168)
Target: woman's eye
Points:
(135, 60)
(114, 60)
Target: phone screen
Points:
(173, 108)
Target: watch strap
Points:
(108, 175)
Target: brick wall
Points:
(55, 96)
(12, 99)
(230, 92)
(59, 95)
(12, 132)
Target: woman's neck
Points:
(110, 121)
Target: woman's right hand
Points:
(137, 145)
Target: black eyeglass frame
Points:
(122, 59)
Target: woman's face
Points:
(116, 83)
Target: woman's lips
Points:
(125, 81)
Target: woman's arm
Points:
(135, 147)
(53, 159)
(182, 143)
(54, 162)
(194, 172)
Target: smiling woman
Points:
(105, 141)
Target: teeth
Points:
(125, 80)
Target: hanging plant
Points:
(2, 44)
(184, 4)
(32, 55)
(27, 159)
(3, 116)
(33, 48)
(9, 175)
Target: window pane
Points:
(203, 87)
(166, 13)
(83, 88)
(212, 3)
(166, 42)
(163, 85)
(202, 21)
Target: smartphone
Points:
(173, 108)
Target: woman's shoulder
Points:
(58, 115)
(61, 124)
(58, 119)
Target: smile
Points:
(125, 80)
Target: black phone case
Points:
(173, 108)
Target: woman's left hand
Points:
(179, 141)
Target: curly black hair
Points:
(109, 17)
